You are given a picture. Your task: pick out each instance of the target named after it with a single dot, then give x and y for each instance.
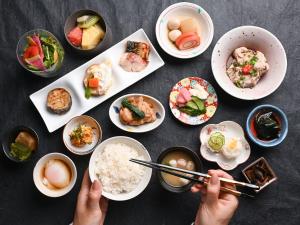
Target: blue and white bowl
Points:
(284, 126)
(114, 111)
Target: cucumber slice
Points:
(200, 104)
(92, 20)
(216, 141)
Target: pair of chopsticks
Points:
(174, 171)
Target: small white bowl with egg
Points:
(121, 179)
(225, 144)
(171, 18)
(256, 39)
(54, 175)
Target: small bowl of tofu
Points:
(20, 143)
(87, 32)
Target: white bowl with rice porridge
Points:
(121, 179)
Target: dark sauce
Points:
(266, 125)
(259, 173)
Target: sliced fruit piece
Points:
(59, 101)
(36, 39)
(35, 62)
(93, 83)
(75, 36)
(187, 41)
(92, 36)
(90, 21)
(82, 18)
(31, 51)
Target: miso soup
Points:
(178, 159)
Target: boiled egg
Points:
(57, 174)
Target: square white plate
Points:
(73, 82)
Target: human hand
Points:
(91, 208)
(216, 208)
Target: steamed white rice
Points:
(116, 173)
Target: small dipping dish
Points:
(54, 175)
(180, 157)
(75, 129)
(260, 173)
(278, 116)
(14, 136)
(71, 23)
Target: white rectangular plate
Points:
(73, 82)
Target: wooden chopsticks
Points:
(170, 170)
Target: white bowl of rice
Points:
(121, 179)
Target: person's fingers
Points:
(213, 188)
(195, 189)
(94, 195)
(103, 207)
(84, 190)
(224, 195)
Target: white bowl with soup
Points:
(178, 157)
(255, 39)
(194, 15)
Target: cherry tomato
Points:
(247, 69)
(31, 51)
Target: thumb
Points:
(213, 189)
(94, 195)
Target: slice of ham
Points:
(183, 97)
(186, 94)
(187, 41)
(132, 62)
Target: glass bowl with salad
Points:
(40, 52)
(20, 143)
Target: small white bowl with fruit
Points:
(184, 30)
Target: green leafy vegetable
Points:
(194, 107)
(87, 92)
(19, 151)
(253, 60)
(136, 112)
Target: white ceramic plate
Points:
(254, 38)
(38, 171)
(140, 149)
(235, 131)
(184, 10)
(157, 106)
(73, 82)
(73, 124)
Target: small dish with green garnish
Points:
(20, 144)
(137, 113)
